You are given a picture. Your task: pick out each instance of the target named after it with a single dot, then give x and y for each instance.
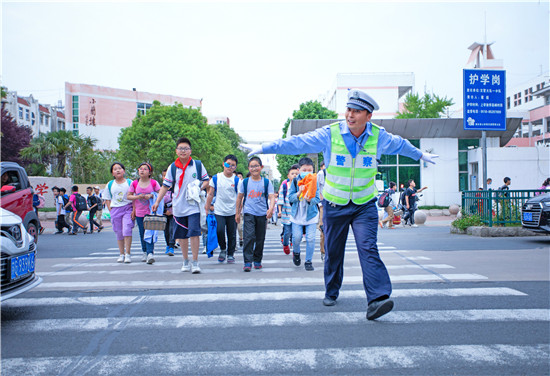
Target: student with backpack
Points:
(60, 211)
(409, 202)
(93, 202)
(185, 176)
(223, 186)
(385, 201)
(304, 197)
(79, 204)
(256, 199)
(285, 207)
(122, 210)
(140, 192)
(168, 236)
(99, 212)
(66, 207)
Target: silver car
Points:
(17, 262)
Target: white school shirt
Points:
(226, 195)
(118, 194)
(180, 206)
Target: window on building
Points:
(33, 117)
(463, 147)
(27, 114)
(41, 119)
(76, 118)
(20, 110)
(75, 129)
(519, 102)
(399, 169)
(143, 107)
(508, 103)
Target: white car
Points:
(17, 262)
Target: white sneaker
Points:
(195, 268)
(144, 257)
(204, 251)
(150, 258)
(186, 267)
(120, 258)
(127, 259)
(414, 225)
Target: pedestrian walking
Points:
(100, 204)
(545, 185)
(351, 149)
(410, 198)
(256, 199)
(78, 202)
(223, 186)
(304, 197)
(186, 177)
(386, 202)
(285, 208)
(67, 207)
(92, 202)
(122, 210)
(240, 224)
(60, 224)
(140, 192)
(168, 235)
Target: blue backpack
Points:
(266, 186)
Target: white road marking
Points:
(257, 296)
(290, 361)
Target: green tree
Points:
(152, 138)
(307, 110)
(426, 107)
(227, 133)
(19, 138)
(53, 147)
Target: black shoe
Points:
(72, 233)
(241, 242)
(297, 260)
(99, 229)
(379, 308)
(58, 232)
(329, 302)
(309, 266)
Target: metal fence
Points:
(499, 208)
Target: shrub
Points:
(466, 221)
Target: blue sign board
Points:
(484, 100)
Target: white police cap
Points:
(360, 100)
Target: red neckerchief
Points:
(180, 165)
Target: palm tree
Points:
(53, 147)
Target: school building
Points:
(102, 112)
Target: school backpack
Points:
(65, 201)
(284, 184)
(38, 201)
(80, 202)
(384, 199)
(173, 170)
(215, 180)
(266, 186)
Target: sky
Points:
(256, 62)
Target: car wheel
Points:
(33, 231)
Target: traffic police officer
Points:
(352, 148)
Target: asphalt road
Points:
(463, 306)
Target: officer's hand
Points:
(429, 157)
(253, 149)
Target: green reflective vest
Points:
(350, 178)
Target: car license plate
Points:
(22, 266)
(527, 216)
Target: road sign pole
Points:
(484, 158)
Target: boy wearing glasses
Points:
(186, 214)
(257, 200)
(224, 186)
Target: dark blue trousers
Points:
(364, 223)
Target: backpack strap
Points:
(285, 188)
(134, 185)
(236, 184)
(173, 173)
(215, 180)
(266, 186)
(245, 188)
(198, 167)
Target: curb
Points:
(490, 232)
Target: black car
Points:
(535, 214)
